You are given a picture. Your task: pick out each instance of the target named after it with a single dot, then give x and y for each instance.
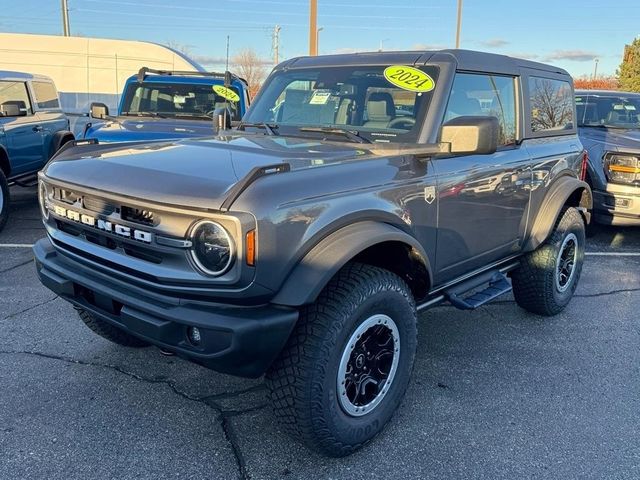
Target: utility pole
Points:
(459, 24)
(276, 44)
(313, 26)
(65, 19)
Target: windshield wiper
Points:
(270, 128)
(146, 114)
(352, 135)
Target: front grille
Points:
(137, 215)
(98, 205)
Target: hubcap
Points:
(368, 365)
(566, 262)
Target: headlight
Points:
(43, 198)
(622, 168)
(213, 251)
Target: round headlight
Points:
(212, 250)
(43, 195)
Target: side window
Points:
(46, 95)
(551, 105)
(14, 99)
(485, 95)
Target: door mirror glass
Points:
(13, 108)
(472, 134)
(99, 110)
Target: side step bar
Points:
(498, 284)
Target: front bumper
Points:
(618, 205)
(241, 341)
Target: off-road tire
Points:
(302, 380)
(109, 332)
(5, 196)
(534, 281)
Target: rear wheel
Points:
(547, 277)
(346, 366)
(4, 200)
(109, 332)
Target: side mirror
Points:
(472, 134)
(99, 110)
(14, 108)
(221, 119)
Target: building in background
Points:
(86, 69)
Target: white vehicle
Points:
(87, 70)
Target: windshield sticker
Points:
(226, 93)
(319, 97)
(409, 78)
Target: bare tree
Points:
(250, 67)
(551, 104)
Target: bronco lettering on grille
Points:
(104, 225)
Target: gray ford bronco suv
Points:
(358, 191)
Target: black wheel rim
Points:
(566, 262)
(368, 365)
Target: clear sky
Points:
(568, 33)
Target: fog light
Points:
(193, 334)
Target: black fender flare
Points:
(565, 189)
(60, 138)
(312, 273)
(5, 163)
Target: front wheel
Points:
(346, 366)
(547, 277)
(4, 200)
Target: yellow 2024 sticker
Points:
(409, 78)
(226, 93)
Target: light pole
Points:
(595, 68)
(459, 27)
(318, 40)
(382, 44)
(65, 19)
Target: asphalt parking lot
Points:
(496, 393)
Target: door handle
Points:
(37, 128)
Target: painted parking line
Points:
(613, 254)
(588, 254)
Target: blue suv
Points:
(32, 129)
(163, 105)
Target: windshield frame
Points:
(263, 106)
(124, 107)
(621, 98)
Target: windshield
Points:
(360, 99)
(191, 101)
(608, 110)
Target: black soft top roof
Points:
(466, 60)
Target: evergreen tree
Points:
(630, 67)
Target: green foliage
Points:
(630, 68)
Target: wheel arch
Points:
(374, 243)
(59, 139)
(5, 165)
(567, 191)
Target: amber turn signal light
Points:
(250, 248)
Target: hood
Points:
(131, 129)
(194, 173)
(611, 139)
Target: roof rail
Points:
(144, 71)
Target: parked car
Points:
(609, 128)
(159, 105)
(32, 129)
(303, 244)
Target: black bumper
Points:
(241, 341)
